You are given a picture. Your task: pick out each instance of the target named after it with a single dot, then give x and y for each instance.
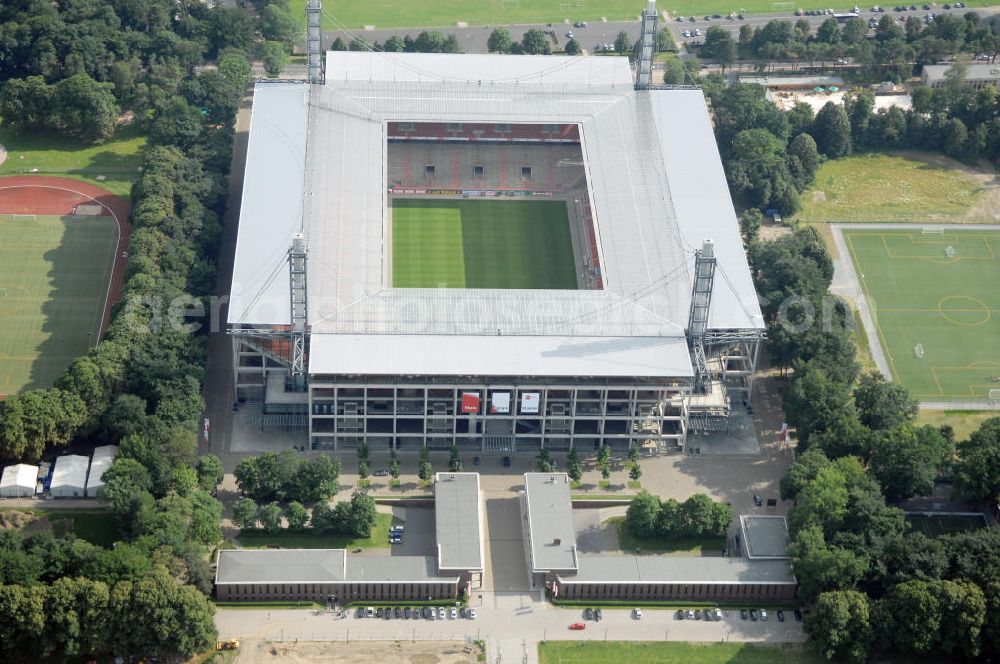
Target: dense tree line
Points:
(286, 476)
(428, 41)
(874, 583)
(887, 52)
(355, 517)
(140, 387)
(697, 517)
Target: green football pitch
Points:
(54, 274)
(481, 244)
(936, 304)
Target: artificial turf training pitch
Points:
(54, 275)
(948, 306)
(481, 244)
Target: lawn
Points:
(354, 14)
(95, 526)
(686, 547)
(945, 305)
(964, 422)
(306, 539)
(891, 188)
(669, 652)
(55, 154)
(481, 244)
(54, 274)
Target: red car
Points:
(578, 626)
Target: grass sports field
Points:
(896, 187)
(669, 652)
(355, 14)
(56, 154)
(949, 305)
(54, 274)
(481, 244)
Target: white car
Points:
(370, 612)
(472, 614)
(637, 613)
(763, 614)
(440, 613)
(453, 614)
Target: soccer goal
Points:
(949, 251)
(918, 351)
(933, 230)
(21, 217)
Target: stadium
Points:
(496, 252)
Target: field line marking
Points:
(937, 381)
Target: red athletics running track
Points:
(35, 194)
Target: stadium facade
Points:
(639, 353)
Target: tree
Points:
(821, 568)
(245, 513)
(634, 472)
(269, 476)
(912, 617)
(544, 461)
(719, 46)
(856, 29)
(317, 480)
(425, 471)
(535, 42)
(85, 107)
(977, 469)
(803, 160)
(606, 472)
(633, 453)
(275, 58)
(362, 514)
(674, 72)
(296, 515)
(814, 403)
(832, 131)
(828, 32)
(573, 47)
(881, 404)
(338, 44)
(210, 473)
(963, 608)
(270, 517)
(750, 223)
(179, 124)
(35, 420)
(364, 470)
(277, 25)
(393, 45)
(322, 519)
(22, 620)
(184, 480)
(206, 518)
(839, 626)
(603, 456)
(803, 471)
(623, 44)
(643, 515)
(906, 460)
(704, 518)
(394, 465)
(573, 467)
(454, 460)
(500, 41)
(758, 171)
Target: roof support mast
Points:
(314, 40)
(297, 281)
(701, 302)
(646, 48)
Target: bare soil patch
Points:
(398, 652)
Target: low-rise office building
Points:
(547, 527)
(458, 526)
(321, 575)
(976, 75)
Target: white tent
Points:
(19, 481)
(69, 478)
(103, 457)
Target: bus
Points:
(844, 17)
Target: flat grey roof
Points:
(550, 521)
(657, 190)
(458, 521)
(804, 81)
(389, 354)
(975, 72)
(681, 569)
(765, 537)
(321, 566)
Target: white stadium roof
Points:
(316, 165)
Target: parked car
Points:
(415, 612)
(798, 615)
(360, 613)
(753, 615)
(397, 612)
(679, 615)
(763, 614)
(697, 614)
(578, 625)
(743, 614)
(453, 614)
(426, 612)
(588, 614)
(472, 614)
(378, 612)
(781, 615)
(381, 472)
(406, 612)
(717, 614)
(388, 614)
(440, 613)
(637, 613)
(598, 615)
